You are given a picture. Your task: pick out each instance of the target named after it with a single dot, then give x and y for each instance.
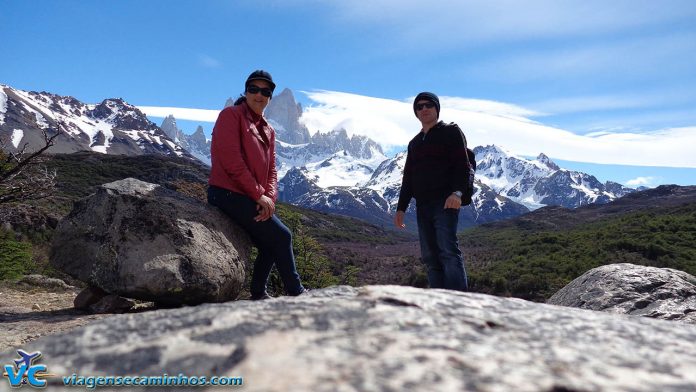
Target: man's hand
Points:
(399, 219)
(453, 201)
(266, 207)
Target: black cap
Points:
(260, 74)
(428, 97)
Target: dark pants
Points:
(271, 237)
(437, 230)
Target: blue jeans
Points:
(271, 237)
(437, 231)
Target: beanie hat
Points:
(428, 97)
(260, 74)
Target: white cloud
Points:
(483, 106)
(205, 115)
(640, 181)
(392, 123)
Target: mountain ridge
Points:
(112, 126)
(348, 175)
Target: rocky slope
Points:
(111, 127)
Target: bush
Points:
(15, 257)
(533, 263)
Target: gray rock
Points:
(143, 241)
(88, 296)
(637, 290)
(385, 338)
(36, 280)
(112, 304)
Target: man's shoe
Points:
(261, 297)
(304, 291)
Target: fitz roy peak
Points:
(111, 127)
(285, 113)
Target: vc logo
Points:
(25, 371)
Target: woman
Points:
(243, 183)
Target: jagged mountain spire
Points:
(286, 113)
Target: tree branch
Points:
(20, 176)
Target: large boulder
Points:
(143, 241)
(637, 290)
(383, 338)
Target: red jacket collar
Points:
(251, 115)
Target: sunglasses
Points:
(428, 105)
(266, 92)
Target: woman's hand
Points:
(266, 207)
(399, 219)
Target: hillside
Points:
(26, 250)
(530, 257)
(535, 255)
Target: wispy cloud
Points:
(392, 123)
(485, 106)
(205, 115)
(208, 62)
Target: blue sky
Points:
(608, 87)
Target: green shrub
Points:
(314, 268)
(533, 263)
(15, 257)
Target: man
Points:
(435, 174)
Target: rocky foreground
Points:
(385, 338)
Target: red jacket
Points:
(243, 153)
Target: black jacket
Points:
(436, 165)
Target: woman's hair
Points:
(240, 100)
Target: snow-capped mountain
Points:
(328, 171)
(297, 188)
(332, 158)
(196, 144)
(328, 158)
(486, 205)
(351, 176)
(111, 127)
(540, 182)
(388, 176)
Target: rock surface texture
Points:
(143, 241)
(384, 338)
(637, 290)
